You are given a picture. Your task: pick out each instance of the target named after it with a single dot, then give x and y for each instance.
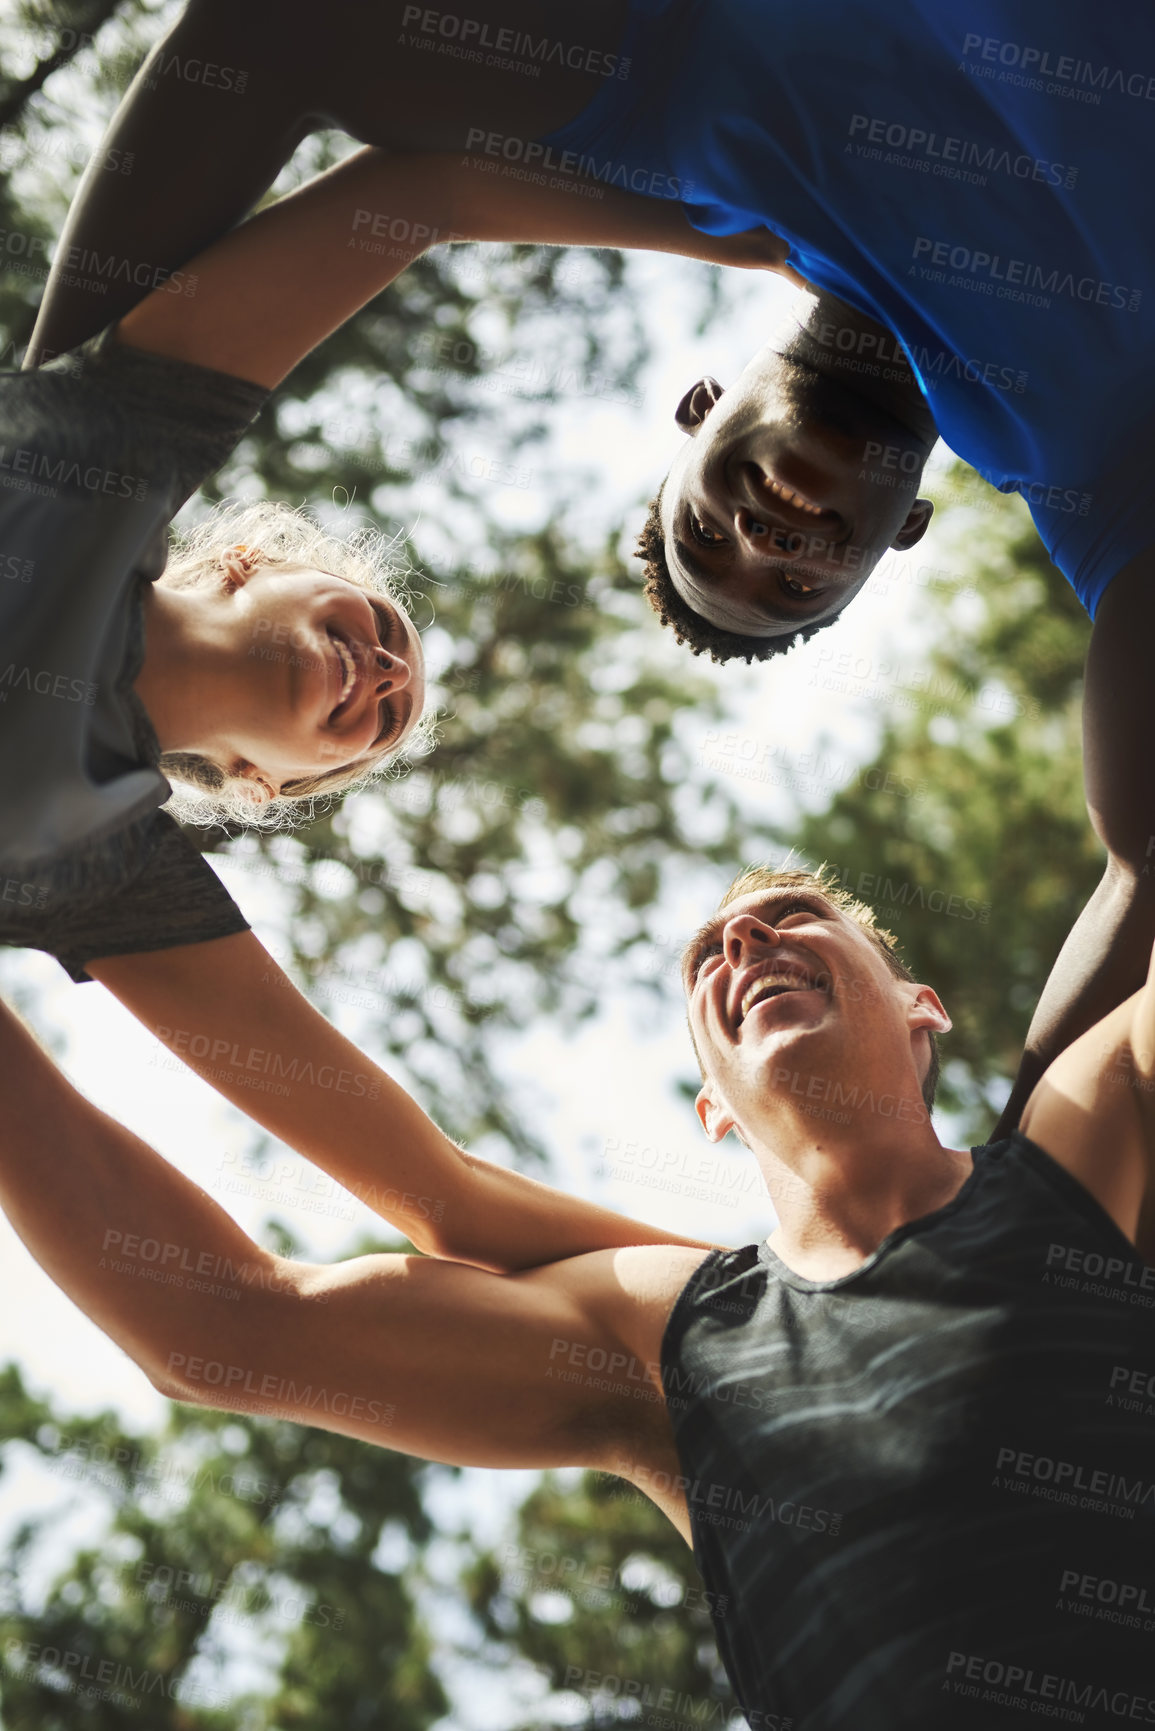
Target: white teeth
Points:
(790, 497)
(348, 667)
(765, 984)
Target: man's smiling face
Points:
(784, 497)
(781, 983)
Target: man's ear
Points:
(916, 525)
(926, 1011)
(238, 564)
(697, 403)
(714, 1117)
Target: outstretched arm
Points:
(1104, 960)
(203, 130)
(235, 1017)
(222, 102)
(1094, 1112)
(272, 289)
(430, 1358)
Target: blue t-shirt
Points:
(971, 173)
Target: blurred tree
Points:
(601, 1595)
(230, 1543)
(967, 830)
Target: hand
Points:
(754, 249)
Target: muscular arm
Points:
(272, 289)
(223, 100)
(184, 158)
(1104, 959)
(431, 1358)
(1094, 1111)
(234, 1016)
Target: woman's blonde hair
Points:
(281, 535)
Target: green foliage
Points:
(598, 1582)
(224, 1534)
(984, 803)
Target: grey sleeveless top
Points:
(923, 1495)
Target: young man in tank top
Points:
(909, 1436)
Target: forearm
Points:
(234, 1016)
(143, 1250)
(1105, 956)
(183, 160)
(1103, 961)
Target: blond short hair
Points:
(287, 537)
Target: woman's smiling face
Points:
(322, 674)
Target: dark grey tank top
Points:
(923, 1495)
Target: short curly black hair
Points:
(690, 627)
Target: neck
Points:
(846, 346)
(184, 679)
(839, 1188)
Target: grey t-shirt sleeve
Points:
(165, 894)
(191, 416)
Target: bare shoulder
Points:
(638, 1443)
(627, 1295)
(648, 1279)
(1093, 1112)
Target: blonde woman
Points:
(265, 666)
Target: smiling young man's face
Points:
(787, 993)
(789, 489)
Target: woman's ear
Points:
(238, 564)
(250, 786)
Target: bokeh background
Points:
(501, 927)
